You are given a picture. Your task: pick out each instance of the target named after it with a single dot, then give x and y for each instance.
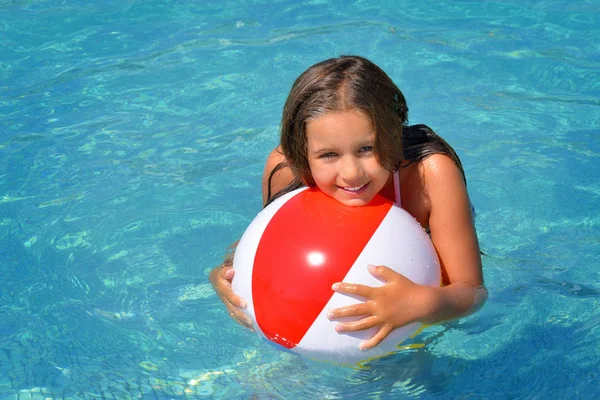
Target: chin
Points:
(359, 202)
(343, 198)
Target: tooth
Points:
(354, 189)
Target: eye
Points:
(327, 156)
(366, 149)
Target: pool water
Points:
(132, 141)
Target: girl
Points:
(344, 129)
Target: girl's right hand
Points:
(220, 278)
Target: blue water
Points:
(132, 140)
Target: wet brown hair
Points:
(352, 83)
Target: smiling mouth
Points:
(356, 189)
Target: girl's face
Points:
(342, 159)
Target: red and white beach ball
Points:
(302, 243)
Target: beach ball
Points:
(300, 245)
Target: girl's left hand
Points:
(397, 303)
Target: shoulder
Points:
(439, 168)
(275, 157)
(275, 178)
(428, 184)
(443, 181)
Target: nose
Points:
(350, 170)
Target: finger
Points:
(246, 323)
(227, 273)
(377, 338)
(352, 288)
(234, 298)
(242, 320)
(385, 274)
(226, 293)
(382, 272)
(361, 324)
(354, 310)
(238, 316)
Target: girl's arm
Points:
(221, 276)
(400, 301)
(455, 239)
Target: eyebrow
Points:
(323, 150)
(329, 149)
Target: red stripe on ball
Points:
(309, 244)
